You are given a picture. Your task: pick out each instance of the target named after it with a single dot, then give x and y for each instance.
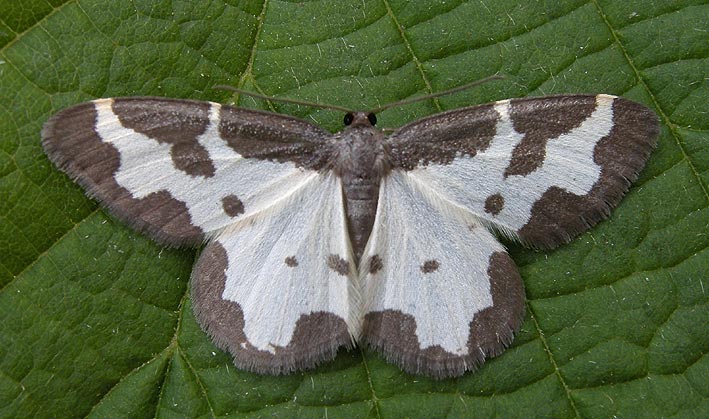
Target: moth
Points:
(315, 241)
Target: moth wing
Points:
(181, 170)
(276, 290)
(440, 294)
(539, 170)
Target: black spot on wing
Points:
(430, 266)
(338, 264)
(375, 264)
(494, 204)
(232, 205)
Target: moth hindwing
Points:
(317, 240)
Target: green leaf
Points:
(96, 320)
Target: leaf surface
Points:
(96, 320)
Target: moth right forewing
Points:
(440, 138)
(540, 170)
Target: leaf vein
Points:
(663, 116)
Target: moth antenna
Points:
(283, 100)
(437, 94)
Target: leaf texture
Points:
(96, 320)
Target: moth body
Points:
(360, 160)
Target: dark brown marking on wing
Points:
(291, 261)
(338, 264)
(174, 122)
(491, 330)
(494, 204)
(316, 337)
(438, 139)
(375, 264)
(430, 266)
(393, 333)
(71, 142)
(558, 216)
(541, 121)
(269, 136)
(232, 205)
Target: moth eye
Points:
(349, 117)
(372, 118)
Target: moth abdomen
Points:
(361, 198)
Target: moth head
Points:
(360, 119)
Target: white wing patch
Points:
(146, 167)
(281, 264)
(569, 164)
(434, 263)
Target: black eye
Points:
(348, 118)
(372, 118)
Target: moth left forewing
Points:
(181, 170)
(440, 294)
(540, 170)
(277, 291)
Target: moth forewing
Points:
(544, 169)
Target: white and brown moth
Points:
(317, 240)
